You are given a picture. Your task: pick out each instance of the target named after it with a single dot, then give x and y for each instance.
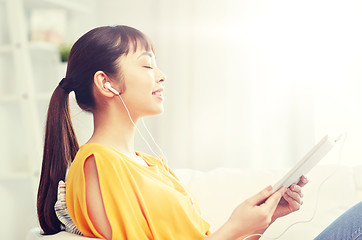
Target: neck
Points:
(114, 129)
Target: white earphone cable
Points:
(129, 115)
(160, 158)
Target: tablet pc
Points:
(306, 163)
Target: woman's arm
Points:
(95, 207)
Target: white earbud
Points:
(109, 87)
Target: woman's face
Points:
(143, 83)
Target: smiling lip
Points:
(158, 94)
(158, 90)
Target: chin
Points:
(159, 112)
(155, 111)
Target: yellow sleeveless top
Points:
(141, 202)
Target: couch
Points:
(220, 190)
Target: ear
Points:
(99, 79)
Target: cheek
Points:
(143, 81)
(139, 86)
(138, 94)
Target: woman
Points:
(114, 192)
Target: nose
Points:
(161, 77)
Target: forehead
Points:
(133, 57)
(139, 52)
(143, 53)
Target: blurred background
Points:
(250, 84)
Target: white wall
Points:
(251, 83)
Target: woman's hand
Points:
(255, 214)
(291, 201)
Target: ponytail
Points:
(60, 147)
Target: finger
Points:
(297, 189)
(293, 204)
(293, 196)
(261, 196)
(273, 200)
(302, 181)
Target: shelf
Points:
(29, 75)
(43, 46)
(70, 5)
(9, 98)
(15, 176)
(16, 97)
(5, 48)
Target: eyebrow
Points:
(147, 54)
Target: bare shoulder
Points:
(95, 205)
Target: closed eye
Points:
(149, 67)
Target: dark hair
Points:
(97, 50)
